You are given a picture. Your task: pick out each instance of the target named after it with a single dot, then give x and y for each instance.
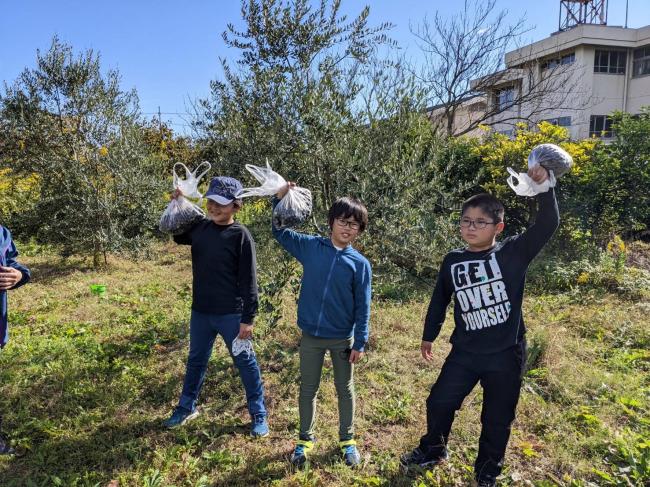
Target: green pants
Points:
(312, 354)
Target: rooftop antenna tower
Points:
(576, 12)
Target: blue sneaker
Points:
(350, 453)
(5, 446)
(299, 455)
(180, 416)
(259, 426)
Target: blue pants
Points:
(204, 328)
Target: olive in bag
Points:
(552, 157)
(181, 214)
(293, 209)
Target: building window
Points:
(550, 64)
(612, 62)
(568, 58)
(505, 98)
(641, 63)
(560, 121)
(553, 63)
(600, 126)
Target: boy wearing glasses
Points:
(333, 314)
(488, 345)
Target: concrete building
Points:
(597, 69)
(467, 114)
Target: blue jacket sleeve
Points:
(12, 254)
(362, 297)
(293, 242)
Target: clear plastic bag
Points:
(190, 185)
(525, 186)
(242, 345)
(293, 209)
(552, 157)
(181, 214)
(271, 181)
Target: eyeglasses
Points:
(478, 224)
(347, 224)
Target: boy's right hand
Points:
(538, 173)
(280, 194)
(425, 349)
(9, 277)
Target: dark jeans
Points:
(500, 376)
(204, 329)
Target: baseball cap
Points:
(224, 190)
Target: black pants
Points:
(500, 376)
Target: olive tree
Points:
(71, 124)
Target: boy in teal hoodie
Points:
(333, 314)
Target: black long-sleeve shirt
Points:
(488, 287)
(224, 269)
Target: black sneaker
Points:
(485, 483)
(421, 459)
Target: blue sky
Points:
(169, 50)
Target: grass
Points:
(86, 381)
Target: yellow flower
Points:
(583, 278)
(616, 245)
(103, 151)
(21, 144)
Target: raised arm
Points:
(293, 242)
(531, 242)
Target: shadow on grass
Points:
(92, 457)
(51, 271)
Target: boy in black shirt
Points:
(224, 300)
(488, 345)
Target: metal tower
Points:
(575, 12)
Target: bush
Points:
(606, 272)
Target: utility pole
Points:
(159, 120)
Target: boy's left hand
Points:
(538, 173)
(9, 277)
(245, 331)
(356, 356)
